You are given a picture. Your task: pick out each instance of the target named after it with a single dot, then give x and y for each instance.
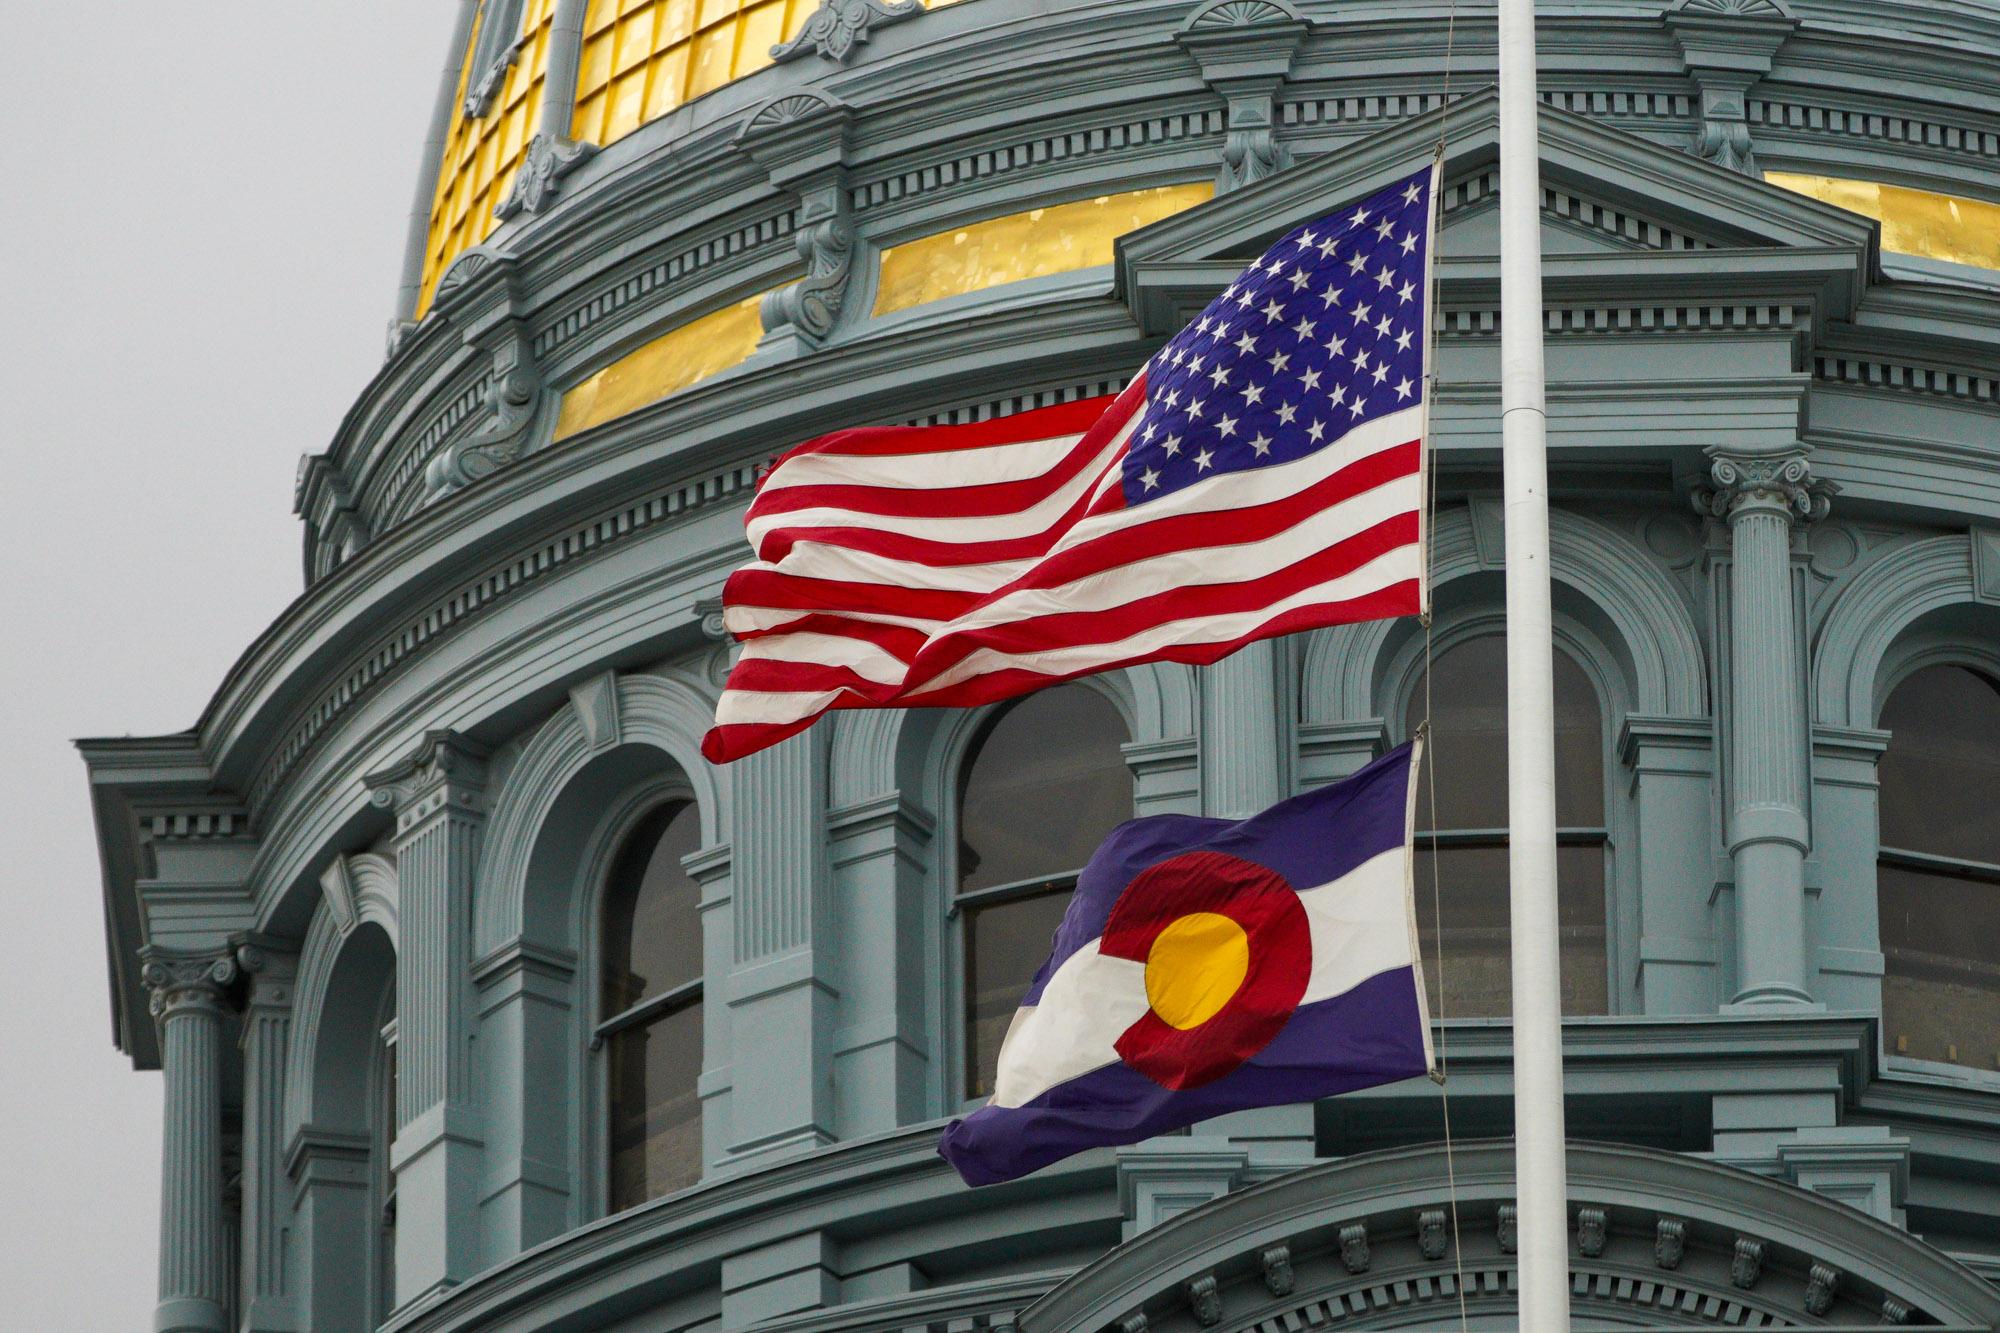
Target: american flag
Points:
(1262, 474)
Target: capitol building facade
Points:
(482, 1002)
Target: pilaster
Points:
(266, 1301)
(329, 1171)
(437, 795)
(1329, 751)
(1243, 766)
(1760, 497)
(1863, 1166)
(1671, 762)
(711, 869)
(1166, 775)
(1162, 1178)
(190, 1002)
(1846, 844)
(780, 989)
(529, 1099)
(880, 851)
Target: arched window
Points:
(1467, 759)
(1939, 874)
(650, 1008)
(1043, 783)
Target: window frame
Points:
(955, 751)
(622, 819)
(1404, 671)
(1912, 657)
(383, 1127)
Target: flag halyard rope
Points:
(1442, 1073)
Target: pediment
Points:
(1612, 202)
(1658, 1240)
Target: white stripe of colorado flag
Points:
(1207, 966)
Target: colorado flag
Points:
(1206, 966)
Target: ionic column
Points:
(189, 997)
(1761, 497)
(267, 1031)
(438, 797)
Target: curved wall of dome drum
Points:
(508, 1011)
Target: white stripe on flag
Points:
(1021, 460)
(1386, 570)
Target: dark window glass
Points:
(1467, 758)
(381, 1167)
(652, 929)
(1939, 877)
(655, 1139)
(1041, 787)
(651, 1005)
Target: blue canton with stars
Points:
(1324, 332)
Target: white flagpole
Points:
(1540, 1166)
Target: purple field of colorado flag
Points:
(1207, 966)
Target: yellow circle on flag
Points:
(1195, 966)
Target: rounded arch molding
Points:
(661, 712)
(1881, 605)
(358, 891)
(1341, 677)
(1658, 1240)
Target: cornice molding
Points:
(965, 52)
(966, 45)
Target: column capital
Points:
(446, 769)
(182, 982)
(1771, 483)
(271, 966)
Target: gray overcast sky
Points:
(201, 225)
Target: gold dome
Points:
(641, 59)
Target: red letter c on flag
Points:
(1227, 949)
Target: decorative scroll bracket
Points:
(1245, 50)
(802, 141)
(514, 403)
(1728, 45)
(480, 295)
(838, 26)
(550, 158)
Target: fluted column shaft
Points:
(438, 797)
(780, 991)
(1242, 733)
(267, 1031)
(1761, 497)
(189, 1002)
